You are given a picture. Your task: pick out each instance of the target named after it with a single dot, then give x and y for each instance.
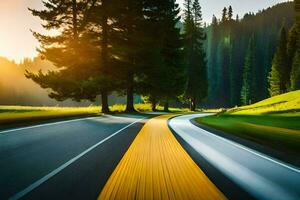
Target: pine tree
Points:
(213, 58)
(248, 87)
(172, 55)
(71, 51)
(99, 17)
(292, 47)
(129, 44)
(295, 74)
(230, 13)
(165, 74)
(275, 77)
(195, 56)
(283, 67)
(224, 15)
(280, 67)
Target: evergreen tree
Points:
(72, 51)
(280, 67)
(165, 75)
(224, 15)
(275, 77)
(230, 13)
(129, 45)
(293, 41)
(172, 55)
(195, 56)
(213, 52)
(227, 48)
(248, 88)
(292, 47)
(81, 52)
(283, 67)
(295, 74)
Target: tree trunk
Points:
(193, 104)
(130, 94)
(104, 100)
(153, 104)
(166, 106)
(104, 56)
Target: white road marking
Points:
(59, 169)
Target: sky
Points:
(17, 42)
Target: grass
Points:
(23, 114)
(11, 115)
(284, 105)
(274, 122)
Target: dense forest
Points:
(240, 54)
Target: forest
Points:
(155, 52)
(249, 57)
(132, 47)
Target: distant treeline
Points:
(240, 55)
(125, 46)
(15, 89)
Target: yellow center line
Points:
(157, 167)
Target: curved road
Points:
(118, 155)
(260, 175)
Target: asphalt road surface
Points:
(87, 157)
(64, 160)
(260, 175)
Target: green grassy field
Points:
(274, 122)
(21, 114)
(10, 115)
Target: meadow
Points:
(13, 115)
(274, 122)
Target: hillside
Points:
(285, 104)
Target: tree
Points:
(81, 52)
(224, 15)
(274, 77)
(165, 74)
(213, 53)
(130, 43)
(70, 51)
(295, 74)
(248, 87)
(292, 47)
(227, 48)
(280, 69)
(230, 13)
(195, 56)
(101, 19)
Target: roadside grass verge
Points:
(24, 114)
(277, 132)
(12, 115)
(274, 122)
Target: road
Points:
(258, 174)
(156, 167)
(64, 160)
(121, 157)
